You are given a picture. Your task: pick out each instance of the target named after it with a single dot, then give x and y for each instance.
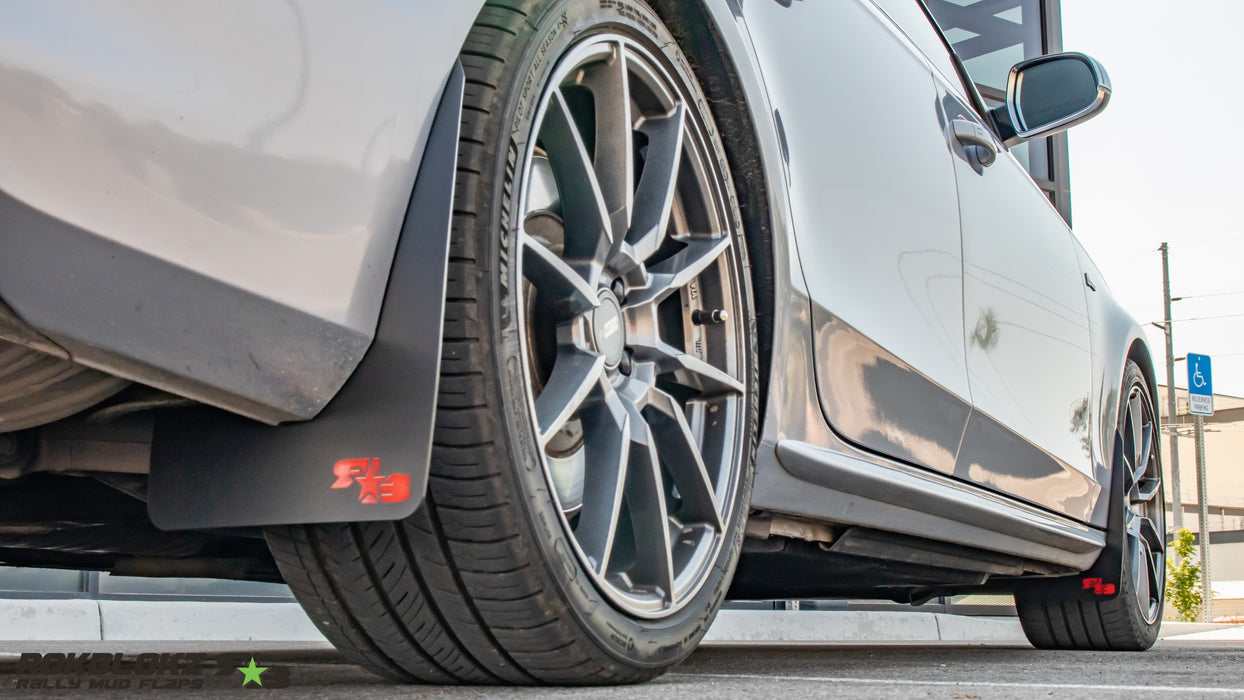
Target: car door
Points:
(875, 214)
(1026, 330)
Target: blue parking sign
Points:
(1200, 385)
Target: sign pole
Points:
(1177, 498)
(1207, 594)
(1200, 404)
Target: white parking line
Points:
(961, 684)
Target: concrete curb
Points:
(125, 621)
(979, 630)
(30, 620)
(141, 620)
(118, 620)
(25, 620)
(764, 627)
(1208, 632)
(818, 626)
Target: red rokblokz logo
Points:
(1098, 587)
(374, 487)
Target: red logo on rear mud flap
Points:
(1098, 588)
(373, 486)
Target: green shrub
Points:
(1183, 582)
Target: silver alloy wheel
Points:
(1146, 513)
(632, 324)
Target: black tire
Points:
(1121, 623)
(483, 584)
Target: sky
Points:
(1159, 164)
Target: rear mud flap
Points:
(365, 456)
(1101, 581)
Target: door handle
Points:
(975, 140)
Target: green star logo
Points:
(251, 672)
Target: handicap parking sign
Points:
(1200, 385)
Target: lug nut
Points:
(619, 288)
(701, 318)
(624, 364)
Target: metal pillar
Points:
(1207, 595)
(1177, 500)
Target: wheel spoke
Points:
(1148, 531)
(608, 445)
(1153, 569)
(588, 230)
(1142, 564)
(1142, 458)
(645, 500)
(568, 291)
(1146, 450)
(674, 273)
(655, 193)
(683, 460)
(685, 369)
(574, 375)
(614, 154)
(1146, 490)
(1134, 418)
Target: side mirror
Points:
(1049, 94)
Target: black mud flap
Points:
(1103, 580)
(365, 457)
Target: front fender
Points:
(1115, 337)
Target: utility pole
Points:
(1177, 500)
(1207, 593)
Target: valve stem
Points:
(701, 318)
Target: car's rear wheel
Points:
(597, 414)
(1130, 620)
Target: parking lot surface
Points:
(1174, 668)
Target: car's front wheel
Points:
(596, 423)
(1130, 620)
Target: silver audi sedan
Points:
(517, 336)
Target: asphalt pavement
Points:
(1174, 668)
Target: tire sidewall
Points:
(647, 642)
(1134, 377)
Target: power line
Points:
(1211, 294)
(1216, 241)
(1191, 296)
(1205, 318)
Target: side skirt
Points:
(816, 482)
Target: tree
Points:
(1183, 582)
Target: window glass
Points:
(990, 36)
(908, 16)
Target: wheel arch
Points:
(1129, 345)
(710, 34)
(1139, 353)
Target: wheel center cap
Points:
(608, 330)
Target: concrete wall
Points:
(1226, 561)
(1224, 461)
